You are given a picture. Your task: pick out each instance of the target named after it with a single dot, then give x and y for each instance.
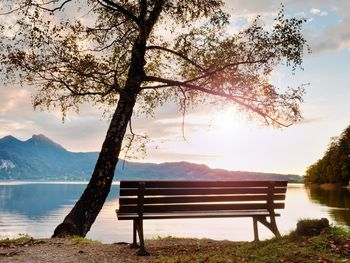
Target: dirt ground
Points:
(323, 248)
(67, 250)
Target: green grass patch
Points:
(163, 238)
(20, 241)
(83, 240)
(332, 245)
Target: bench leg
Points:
(270, 225)
(255, 226)
(274, 228)
(134, 235)
(142, 251)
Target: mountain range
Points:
(40, 158)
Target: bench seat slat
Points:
(199, 191)
(198, 207)
(198, 199)
(201, 214)
(191, 184)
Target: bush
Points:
(311, 227)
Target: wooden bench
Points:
(140, 200)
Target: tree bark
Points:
(85, 211)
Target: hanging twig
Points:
(184, 110)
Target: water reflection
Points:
(337, 200)
(36, 200)
(37, 208)
(40, 199)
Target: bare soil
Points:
(68, 250)
(331, 247)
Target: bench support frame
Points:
(138, 221)
(270, 225)
(138, 231)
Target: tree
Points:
(334, 166)
(125, 53)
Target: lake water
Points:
(36, 208)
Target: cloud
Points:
(310, 120)
(167, 125)
(252, 7)
(332, 33)
(159, 156)
(13, 99)
(15, 110)
(333, 38)
(315, 11)
(18, 118)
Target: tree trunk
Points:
(85, 211)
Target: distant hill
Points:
(40, 158)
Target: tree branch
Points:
(177, 54)
(116, 7)
(12, 11)
(75, 93)
(143, 10)
(115, 87)
(216, 93)
(209, 73)
(153, 17)
(184, 110)
(41, 6)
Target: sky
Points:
(224, 138)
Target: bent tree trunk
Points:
(85, 211)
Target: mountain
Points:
(40, 158)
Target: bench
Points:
(141, 200)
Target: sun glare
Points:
(226, 121)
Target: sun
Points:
(226, 121)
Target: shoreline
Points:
(332, 245)
(327, 186)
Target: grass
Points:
(25, 240)
(332, 245)
(83, 240)
(20, 241)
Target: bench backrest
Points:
(179, 196)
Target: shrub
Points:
(311, 227)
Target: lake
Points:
(36, 208)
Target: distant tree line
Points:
(334, 167)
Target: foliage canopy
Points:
(79, 51)
(334, 166)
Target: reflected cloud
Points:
(27, 199)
